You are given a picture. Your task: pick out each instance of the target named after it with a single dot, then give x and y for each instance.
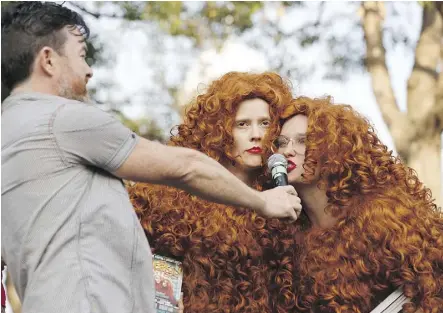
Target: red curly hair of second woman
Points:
(389, 232)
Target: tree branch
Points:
(372, 19)
(306, 26)
(94, 14)
(438, 107)
(422, 84)
(439, 6)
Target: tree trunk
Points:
(422, 84)
(424, 105)
(417, 133)
(425, 158)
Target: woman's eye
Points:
(241, 124)
(266, 123)
(281, 141)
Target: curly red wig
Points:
(225, 250)
(389, 232)
(210, 118)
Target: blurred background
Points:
(383, 58)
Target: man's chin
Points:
(86, 99)
(82, 98)
(75, 96)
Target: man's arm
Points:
(198, 174)
(86, 135)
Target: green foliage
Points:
(309, 40)
(145, 128)
(168, 15)
(209, 23)
(132, 10)
(427, 4)
(177, 18)
(95, 51)
(237, 14)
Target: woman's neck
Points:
(248, 176)
(314, 204)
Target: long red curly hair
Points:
(225, 250)
(389, 232)
(209, 119)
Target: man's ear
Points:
(48, 61)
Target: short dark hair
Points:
(27, 27)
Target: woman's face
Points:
(251, 124)
(292, 144)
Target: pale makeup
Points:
(252, 121)
(295, 128)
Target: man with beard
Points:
(70, 237)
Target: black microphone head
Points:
(275, 160)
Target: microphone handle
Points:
(281, 180)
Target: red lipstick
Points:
(291, 166)
(255, 150)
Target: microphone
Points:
(277, 167)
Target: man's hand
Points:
(281, 202)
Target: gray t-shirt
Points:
(70, 237)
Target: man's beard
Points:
(74, 89)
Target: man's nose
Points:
(89, 73)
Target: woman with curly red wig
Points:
(224, 249)
(371, 225)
